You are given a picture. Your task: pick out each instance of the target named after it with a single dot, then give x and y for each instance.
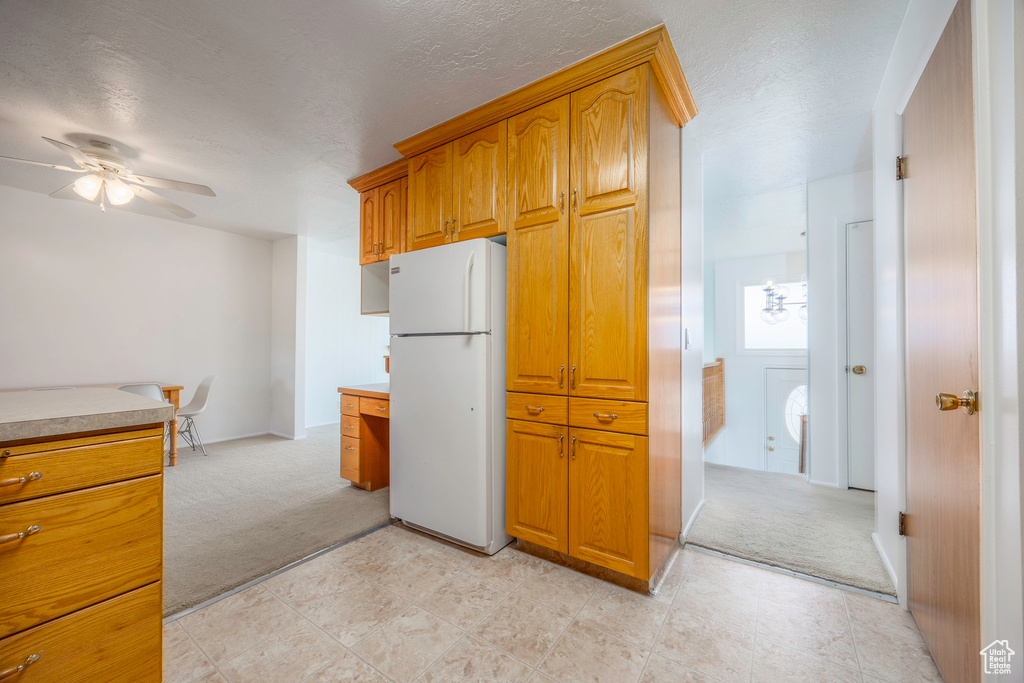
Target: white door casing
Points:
(860, 342)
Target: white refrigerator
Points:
(447, 310)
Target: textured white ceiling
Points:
(276, 104)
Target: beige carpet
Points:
(253, 506)
(781, 520)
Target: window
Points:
(789, 334)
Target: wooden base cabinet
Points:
(365, 441)
(594, 319)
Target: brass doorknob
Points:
(967, 400)
(859, 370)
(771, 448)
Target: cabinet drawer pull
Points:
(535, 410)
(7, 538)
(17, 481)
(383, 410)
(350, 448)
(350, 405)
(31, 659)
(6, 454)
(350, 426)
(606, 417)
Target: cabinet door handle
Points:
(572, 375)
(350, 448)
(572, 447)
(561, 377)
(535, 410)
(561, 447)
(447, 224)
(7, 538)
(575, 204)
(561, 202)
(17, 481)
(31, 659)
(606, 417)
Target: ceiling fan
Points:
(111, 180)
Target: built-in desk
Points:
(365, 435)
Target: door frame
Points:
(762, 428)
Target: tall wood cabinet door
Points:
(608, 500)
(537, 480)
(479, 165)
(430, 198)
(608, 236)
(538, 249)
(368, 221)
(391, 218)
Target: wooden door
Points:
(368, 218)
(430, 198)
(943, 448)
(608, 238)
(608, 500)
(538, 486)
(538, 249)
(391, 219)
(479, 162)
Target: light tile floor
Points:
(399, 606)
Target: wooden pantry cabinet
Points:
(594, 315)
(457, 191)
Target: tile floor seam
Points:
(615, 635)
(477, 622)
(499, 647)
(812, 655)
(201, 650)
(853, 637)
(451, 647)
(553, 644)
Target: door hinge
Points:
(901, 168)
(903, 524)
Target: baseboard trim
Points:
(291, 437)
(885, 562)
(689, 524)
(234, 438)
(830, 484)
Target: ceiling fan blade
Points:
(153, 197)
(62, 192)
(72, 152)
(43, 163)
(182, 186)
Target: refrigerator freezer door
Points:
(443, 290)
(440, 440)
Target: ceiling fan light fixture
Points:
(118, 193)
(88, 186)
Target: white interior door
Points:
(860, 349)
(786, 402)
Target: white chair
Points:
(149, 390)
(187, 426)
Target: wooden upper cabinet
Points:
(480, 162)
(608, 500)
(537, 480)
(430, 198)
(538, 249)
(391, 219)
(608, 236)
(368, 226)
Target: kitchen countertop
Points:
(35, 414)
(380, 390)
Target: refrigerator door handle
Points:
(465, 291)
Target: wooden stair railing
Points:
(714, 399)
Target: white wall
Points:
(693, 321)
(93, 298)
(831, 204)
(741, 442)
(921, 29)
(342, 346)
(288, 338)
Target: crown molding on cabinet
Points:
(381, 176)
(653, 46)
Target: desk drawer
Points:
(117, 641)
(349, 405)
(627, 417)
(351, 459)
(375, 407)
(87, 546)
(352, 426)
(537, 408)
(34, 475)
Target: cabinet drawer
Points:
(627, 417)
(352, 426)
(537, 408)
(87, 546)
(349, 405)
(45, 473)
(374, 406)
(119, 640)
(351, 459)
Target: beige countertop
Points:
(379, 390)
(35, 414)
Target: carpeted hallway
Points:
(781, 520)
(253, 506)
